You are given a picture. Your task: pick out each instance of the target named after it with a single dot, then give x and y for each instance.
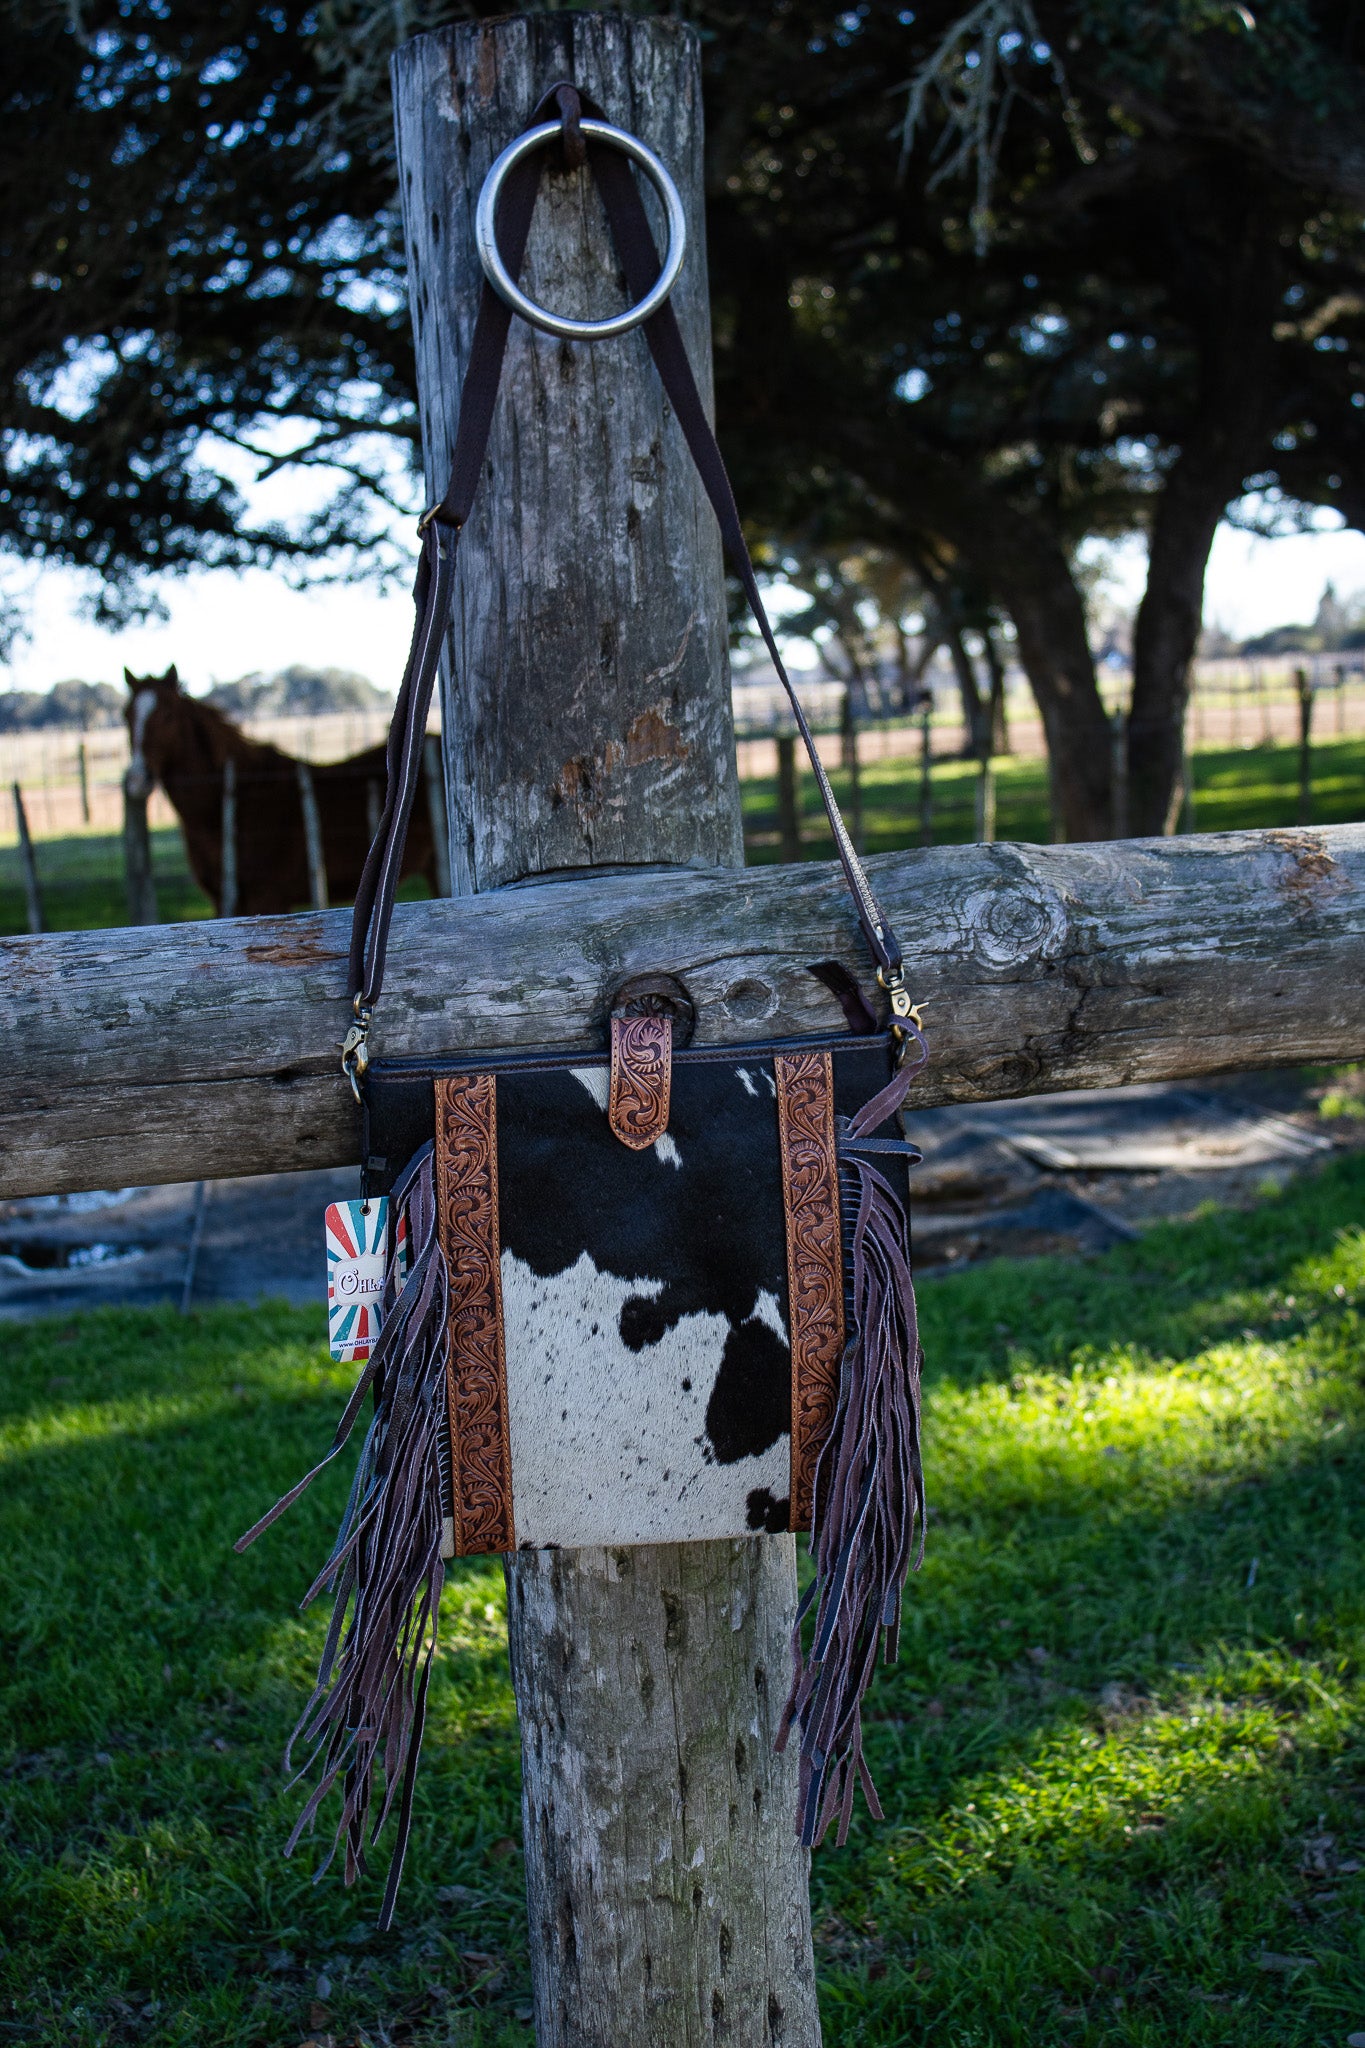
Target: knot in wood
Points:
(1016, 922)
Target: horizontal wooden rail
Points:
(183, 1052)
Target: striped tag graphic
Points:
(357, 1243)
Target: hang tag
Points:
(357, 1245)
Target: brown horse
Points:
(183, 744)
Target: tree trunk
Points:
(587, 662)
(1000, 730)
(1036, 587)
(1023, 567)
(926, 772)
(587, 720)
(852, 767)
(649, 1682)
(1165, 636)
(1232, 308)
(904, 686)
(975, 713)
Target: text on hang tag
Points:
(357, 1245)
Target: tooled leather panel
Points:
(641, 1079)
(815, 1265)
(467, 1192)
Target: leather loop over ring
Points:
(501, 279)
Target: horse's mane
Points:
(219, 736)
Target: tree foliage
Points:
(988, 279)
(1116, 286)
(196, 286)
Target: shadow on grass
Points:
(150, 1678)
(1129, 1700)
(1128, 1695)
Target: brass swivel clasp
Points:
(355, 1049)
(904, 1013)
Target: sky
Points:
(1253, 584)
(223, 624)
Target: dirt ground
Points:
(1004, 1179)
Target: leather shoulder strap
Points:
(440, 528)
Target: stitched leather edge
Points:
(467, 1192)
(815, 1261)
(641, 1079)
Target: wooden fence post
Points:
(586, 721)
(83, 771)
(196, 1238)
(227, 880)
(926, 771)
(1303, 684)
(312, 836)
(138, 879)
(33, 900)
(848, 733)
(1118, 777)
(788, 798)
(985, 801)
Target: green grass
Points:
(150, 1677)
(1238, 787)
(82, 876)
(1235, 789)
(1123, 1756)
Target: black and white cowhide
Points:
(644, 1293)
(644, 1309)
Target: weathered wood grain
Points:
(586, 713)
(173, 1052)
(587, 717)
(675, 1659)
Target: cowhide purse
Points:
(654, 1291)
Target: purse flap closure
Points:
(641, 1079)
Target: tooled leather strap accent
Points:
(441, 525)
(815, 1261)
(641, 1079)
(467, 1222)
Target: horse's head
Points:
(151, 703)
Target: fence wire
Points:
(916, 781)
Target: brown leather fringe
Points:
(869, 1486)
(369, 1704)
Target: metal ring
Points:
(497, 273)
